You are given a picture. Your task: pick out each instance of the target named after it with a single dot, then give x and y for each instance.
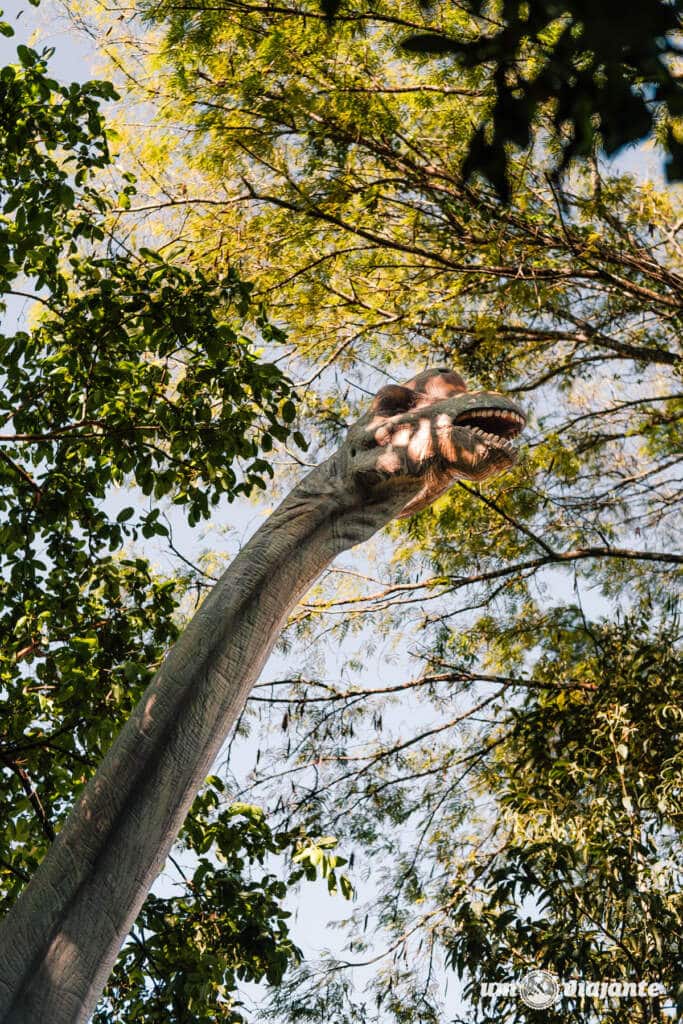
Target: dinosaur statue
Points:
(59, 942)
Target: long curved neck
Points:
(59, 943)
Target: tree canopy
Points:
(513, 786)
(603, 74)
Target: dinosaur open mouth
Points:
(497, 426)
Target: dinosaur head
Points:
(429, 432)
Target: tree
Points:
(586, 822)
(138, 369)
(333, 174)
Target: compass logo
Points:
(538, 989)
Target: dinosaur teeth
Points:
(494, 440)
(504, 424)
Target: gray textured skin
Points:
(59, 943)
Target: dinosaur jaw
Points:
(477, 460)
(491, 433)
(472, 445)
(496, 427)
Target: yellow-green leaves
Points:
(315, 856)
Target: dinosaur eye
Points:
(393, 399)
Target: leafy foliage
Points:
(136, 371)
(582, 874)
(187, 953)
(606, 70)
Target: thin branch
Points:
(495, 507)
(31, 793)
(19, 872)
(24, 474)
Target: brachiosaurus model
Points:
(59, 943)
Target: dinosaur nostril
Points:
(353, 452)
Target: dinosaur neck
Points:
(58, 945)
